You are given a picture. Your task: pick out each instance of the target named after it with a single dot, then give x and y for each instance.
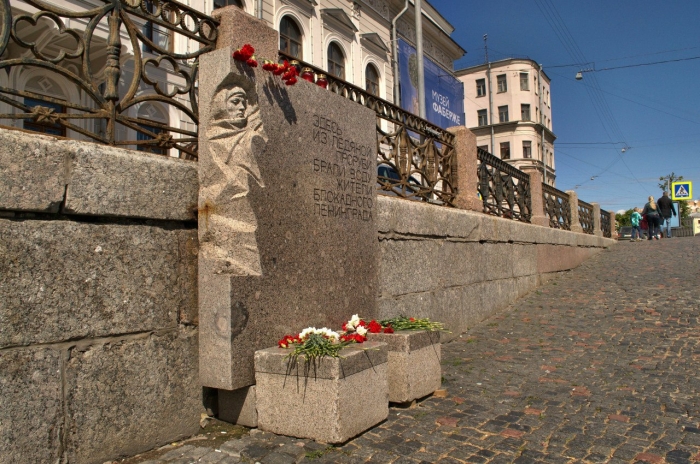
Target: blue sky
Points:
(654, 110)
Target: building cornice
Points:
(500, 63)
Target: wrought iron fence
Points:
(585, 217)
(556, 207)
(121, 55)
(504, 189)
(416, 158)
(606, 223)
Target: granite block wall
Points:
(98, 301)
(98, 291)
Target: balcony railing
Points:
(120, 56)
(585, 217)
(504, 189)
(556, 207)
(606, 223)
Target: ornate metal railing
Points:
(504, 189)
(556, 207)
(416, 158)
(121, 59)
(585, 217)
(606, 223)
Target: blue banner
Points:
(444, 94)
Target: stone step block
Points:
(414, 363)
(330, 400)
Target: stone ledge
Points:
(406, 340)
(38, 173)
(398, 216)
(353, 359)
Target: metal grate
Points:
(556, 207)
(120, 56)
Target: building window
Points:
(502, 86)
(372, 80)
(223, 3)
(480, 87)
(481, 115)
(505, 150)
(536, 87)
(524, 81)
(44, 127)
(140, 136)
(503, 113)
(290, 38)
(484, 148)
(336, 61)
(158, 35)
(527, 149)
(525, 112)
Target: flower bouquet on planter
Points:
(316, 377)
(414, 353)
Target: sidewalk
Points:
(599, 365)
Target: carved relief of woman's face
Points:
(236, 103)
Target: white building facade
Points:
(349, 39)
(507, 104)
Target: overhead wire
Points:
(602, 109)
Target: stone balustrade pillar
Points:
(573, 206)
(467, 182)
(597, 227)
(539, 218)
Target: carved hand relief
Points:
(236, 138)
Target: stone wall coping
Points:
(352, 359)
(398, 216)
(406, 340)
(40, 173)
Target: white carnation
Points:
(361, 330)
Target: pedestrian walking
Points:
(636, 219)
(651, 210)
(666, 209)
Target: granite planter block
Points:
(331, 401)
(414, 363)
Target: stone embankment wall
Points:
(98, 301)
(98, 291)
(459, 267)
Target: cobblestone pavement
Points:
(598, 365)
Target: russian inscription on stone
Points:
(286, 214)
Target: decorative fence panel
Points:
(127, 68)
(416, 158)
(557, 207)
(606, 223)
(585, 217)
(504, 189)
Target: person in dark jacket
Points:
(666, 209)
(651, 211)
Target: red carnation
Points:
(362, 323)
(388, 330)
(244, 53)
(374, 327)
(269, 65)
(412, 319)
(291, 81)
(252, 63)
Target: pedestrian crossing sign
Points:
(682, 190)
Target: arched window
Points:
(336, 61)
(372, 80)
(290, 37)
(223, 3)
